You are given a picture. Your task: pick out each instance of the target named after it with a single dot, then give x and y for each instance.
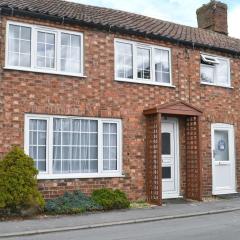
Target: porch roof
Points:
(175, 108)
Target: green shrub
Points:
(71, 203)
(110, 199)
(18, 182)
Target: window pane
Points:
(13, 59)
(45, 50)
(19, 46)
(25, 60)
(166, 143)
(207, 73)
(13, 45)
(143, 63)
(25, 33)
(70, 53)
(221, 145)
(75, 145)
(38, 142)
(222, 72)
(14, 31)
(166, 172)
(162, 68)
(110, 146)
(124, 60)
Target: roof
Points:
(120, 21)
(175, 108)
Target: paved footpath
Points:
(114, 218)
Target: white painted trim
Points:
(175, 194)
(216, 85)
(49, 155)
(232, 147)
(34, 68)
(229, 85)
(135, 79)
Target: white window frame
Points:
(49, 151)
(135, 45)
(33, 67)
(212, 59)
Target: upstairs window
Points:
(215, 70)
(140, 63)
(41, 49)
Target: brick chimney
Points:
(213, 16)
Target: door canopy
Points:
(176, 108)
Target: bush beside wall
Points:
(18, 182)
(71, 203)
(110, 199)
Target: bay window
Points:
(215, 70)
(65, 147)
(44, 49)
(141, 63)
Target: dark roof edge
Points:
(14, 11)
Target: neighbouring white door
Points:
(170, 158)
(223, 159)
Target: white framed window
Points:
(141, 63)
(215, 70)
(43, 49)
(74, 147)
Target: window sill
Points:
(44, 71)
(145, 82)
(74, 176)
(216, 85)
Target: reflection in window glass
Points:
(19, 46)
(45, 50)
(37, 143)
(215, 70)
(207, 73)
(162, 69)
(124, 60)
(143, 63)
(222, 72)
(109, 146)
(70, 53)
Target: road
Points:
(219, 227)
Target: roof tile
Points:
(126, 21)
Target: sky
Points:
(178, 11)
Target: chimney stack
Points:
(213, 16)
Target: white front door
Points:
(223, 159)
(170, 158)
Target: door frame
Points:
(175, 194)
(232, 155)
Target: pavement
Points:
(208, 227)
(169, 211)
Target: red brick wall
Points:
(98, 95)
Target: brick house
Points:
(105, 98)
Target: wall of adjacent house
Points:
(98, 95)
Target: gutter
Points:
(9, 11)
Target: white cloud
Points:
(233, 22)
